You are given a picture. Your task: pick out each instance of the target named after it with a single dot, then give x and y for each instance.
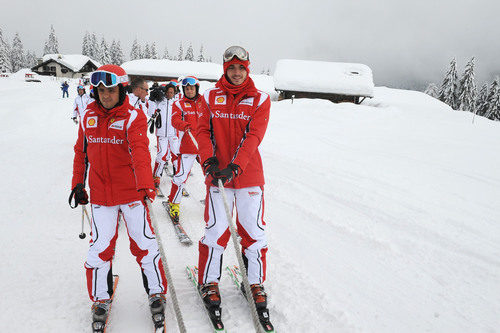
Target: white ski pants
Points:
(165, 146)
(183, 166)
(251, 227)
(143, 246)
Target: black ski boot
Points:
(210, 294)
(100, 311)
(157, 307)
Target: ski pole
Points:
(239, 255)
(193, 139)
(177, 310)
(82, 235)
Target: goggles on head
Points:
(175, 84)
(80, 87)
(190, 81)
(236, 51)
(108, 79)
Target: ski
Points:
(235, 274)
(179, 230)
(99, 326)
(214, 313)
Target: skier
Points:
(64, 88)
(232, 124)
(138, 95)
(184, 120)
(80, 104)
(167, 140)
(112, 140)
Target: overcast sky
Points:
(403, 41)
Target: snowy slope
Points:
(381, 218)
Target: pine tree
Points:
(51, 45)
(449, 88)
(482, 101)
(468, 89)
(86, 44)
(116, 53)
(104, 56)
(17, 58)
(135, 52)
(189, 53)
(432, 90)
(166, 55)
(180, 53)
(493, 111)
(94, 48)
(5, 65)
(147, 52)
(154, 53)
(201, 57)
(30, 59)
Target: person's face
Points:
(142, 91)
(109, 97)
(236, 73)
(170, 93)
(190, 91)
(81, 92)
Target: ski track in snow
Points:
(381, 217)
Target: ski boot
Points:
(259, 295)
(157, 307)
(100, 311)
(210, 294)
(173, 211)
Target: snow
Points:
(75, 62)
(382, 217)
(173, 68)
(324, 77)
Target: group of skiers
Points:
(221, 129)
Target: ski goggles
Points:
(236, 51)
(175, 84)
(108, 79)
(190, 81)
(80, 87)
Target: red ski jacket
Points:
(232, 130)
(185, 114)
(114, 145)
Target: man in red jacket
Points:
(185, 114)
(232, 125)
(112, 146)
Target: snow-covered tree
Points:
(116, 53)
(51, 45)
(86, 44)
(94, 47)
(166, 55)
(154, 53)
(432, 90)
(449, 88)
(30, 59)
(135, 52)
(482, 101)
(17, 58)
(104, 54)
(147, 52)
(493, 111)
(468, 90)
(180, 53)
(5, 65)
(189, 53)
(201, 57)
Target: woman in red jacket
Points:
(232, 125)
(112, 146)
(184, 120)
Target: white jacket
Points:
(80, 104)
(165, 107)
(138, 104)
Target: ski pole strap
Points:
(72, 197)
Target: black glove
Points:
(226, 175)
(74, 120)
(211, 166)
(80, 195)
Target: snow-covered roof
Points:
(172, 68)
(75, 62)
(324, 77)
